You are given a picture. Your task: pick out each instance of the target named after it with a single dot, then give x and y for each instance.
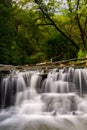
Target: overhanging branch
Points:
(54, 24)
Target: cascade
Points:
(38, 101)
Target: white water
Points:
(53, 103)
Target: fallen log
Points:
(69, 60)
(62, 62)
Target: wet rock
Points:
(5, 72)
(43, 75)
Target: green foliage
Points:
(18, 35)
(58, 46)
(82, 54)
(4, 54)
(36, 33)
(17, 55)
(37, 58)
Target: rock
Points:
(43, 75)
(5, 72)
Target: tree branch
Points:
(79, 25)
(54, 24)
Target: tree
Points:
(55, 45)
(19, 34)
(28, 34)
(75, 13)
(33, 31)
(7, 30)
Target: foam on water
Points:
(41, 122)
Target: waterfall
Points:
(38, 101)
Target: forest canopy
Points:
(33, 31)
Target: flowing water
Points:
(36, 101)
